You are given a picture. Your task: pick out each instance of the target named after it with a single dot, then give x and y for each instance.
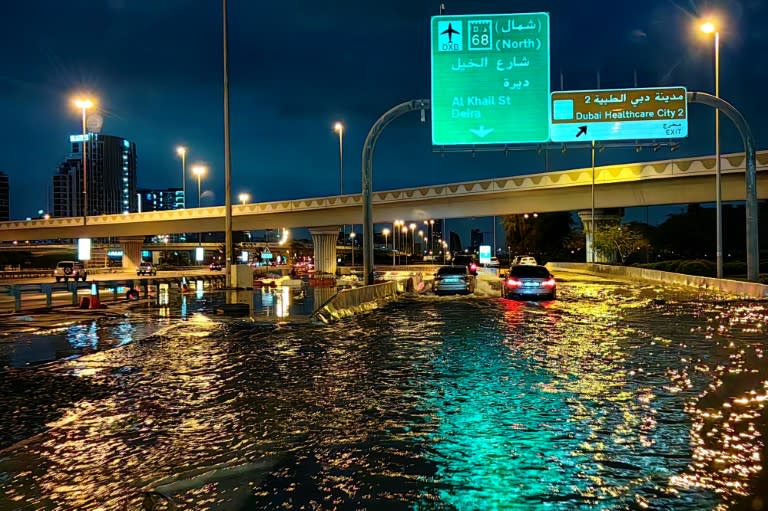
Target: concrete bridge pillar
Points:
(601, 215)
(324, 239)
(131, 247)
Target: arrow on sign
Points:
(582, 131)
(482, 131)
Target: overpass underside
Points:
(616, 186)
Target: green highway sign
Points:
(490, 79)
(619, 114)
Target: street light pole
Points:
(339, 128)
(199, 170)
(84, 104)
(182, 151)
(412, 227)
(385, 232)
(593, 226)
(352, 237)
(405, 242)
(710, 28)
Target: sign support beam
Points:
(750, 176)
(367, 178)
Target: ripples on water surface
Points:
(601, 400)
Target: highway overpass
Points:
(680, 181)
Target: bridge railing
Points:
(13, 297)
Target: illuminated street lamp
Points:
(84, 104)
(431, 224)
(244, 198)
(385, 232)
(709, 27)
(445, 249)
(404, 230)
(199, 171)
(421, 235)
(182, 151)
(339, 128)
(395, 235)
(352, 239)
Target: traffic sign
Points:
(619, 114)
(490, 79)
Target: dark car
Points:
(146, 268)
(453, 279)
(529, 281)
(467, 260)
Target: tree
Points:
(541, 233)
(617, 241)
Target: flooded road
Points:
(616, 396)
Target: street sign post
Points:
(619, 114)
(490, 79)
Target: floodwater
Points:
(616, 396)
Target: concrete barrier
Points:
(731, 287)
(359, 299)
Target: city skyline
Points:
(296, 69)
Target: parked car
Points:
(467, 260)
(524, 260)
(66, 270)
(146, 268)
(453, 279)
(529, 281)
(214, 266)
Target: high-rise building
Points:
(159, 200)
(111, 177)
(5, 210)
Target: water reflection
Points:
(600, 400)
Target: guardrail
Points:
(133, 288)
(359, 299)
(25, 274)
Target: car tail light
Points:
(549, 283)
(514, 283)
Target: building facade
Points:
(5, 203)
(110, 177)
(159, 200)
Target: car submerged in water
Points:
(453, 280)
(529, 281)
(66, 270)
(146, 268)
(467, 260)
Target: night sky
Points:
(296, 67)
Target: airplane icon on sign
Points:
(450, 31)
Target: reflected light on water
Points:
(599, 400)
(83, 336)
(283, 307)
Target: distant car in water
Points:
(453, 280)
(66, 270)
(214, 266)
(146, 268)
(524, 260)
(529, 281)
(467, 260)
